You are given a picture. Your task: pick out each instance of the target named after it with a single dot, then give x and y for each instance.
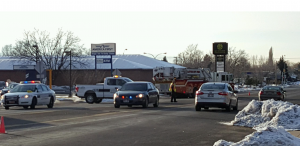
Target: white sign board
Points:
(103, 49)
(23, 67)
(220, 67)
(103, 60)
(40, 67)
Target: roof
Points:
(119, 62)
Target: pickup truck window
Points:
(111, 82)
(120, 82)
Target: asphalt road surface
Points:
(82, 124)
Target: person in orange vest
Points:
(173, 91)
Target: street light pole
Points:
(70, 53)
(124, 51)
(156, 55)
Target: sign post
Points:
(103, 49)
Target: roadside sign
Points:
(116, 72)
(103, 60)
(40, 67)
(220, 48)
(103, 49)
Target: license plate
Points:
(12, 102)
(210, 95)
(125, 100)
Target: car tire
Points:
(156, 102)
(33, 103)
(145, 105)
(228, 108)
(51, 103)
(197, 108)
(90, 98)
(206, 108)
(6, 107)
(236, 105)
(25, 106)
(117, 106)
(99, 100)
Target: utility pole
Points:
(176, 60)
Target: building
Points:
(136, 67)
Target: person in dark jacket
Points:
(173, 91)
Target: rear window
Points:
(271, 88)
(212, 86)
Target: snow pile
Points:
(268, 136)
(260, 114)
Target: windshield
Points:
(213, 86)
(128, 80)
(24, 88)
(134, 87)
(13, 86)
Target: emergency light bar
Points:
(28, 82)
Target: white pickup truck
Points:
(95, 93)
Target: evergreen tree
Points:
(282, 65)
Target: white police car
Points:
(29, 94)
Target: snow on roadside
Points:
(268, 136)
(260, 114)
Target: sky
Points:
(157, 27)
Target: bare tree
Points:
(191, 57)
(39, 46)
(7, 50)
(235, 60)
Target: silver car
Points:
(29, 94)
(219, 95)
(271, 92)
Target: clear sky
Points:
(161, 26)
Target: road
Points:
(170, 124)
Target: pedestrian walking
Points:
(173, 90)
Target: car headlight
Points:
(116, 95)
(2, 97)
(26, 96)
(139, 96)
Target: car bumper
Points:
(221, 102)
(20, 102)
(130, 101)
(265, 97)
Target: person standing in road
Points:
(173, 90)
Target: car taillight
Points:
(278, 93)
(260, 93)
(76, 89)
(184, 92)
(199, 93)
(223, 93)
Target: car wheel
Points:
(236, 105)
(197, 108)
(156, 102)
(25, 106)
(117, 106)
(51, 103)
(206, 108)
(228, 108)
(145, 105)
(99, 100)
(129, 105)
(7, 107)
(33, 103)
(90, 98)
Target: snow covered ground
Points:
(271, 119)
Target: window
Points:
(213, 86)
(111, 82)
(44, 88)
(153, 87)
(223, 78)
(229, 88)
(120, 82)
(39, 88)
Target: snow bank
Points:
(268, 136)
(260, 114)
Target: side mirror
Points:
(235, 91)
